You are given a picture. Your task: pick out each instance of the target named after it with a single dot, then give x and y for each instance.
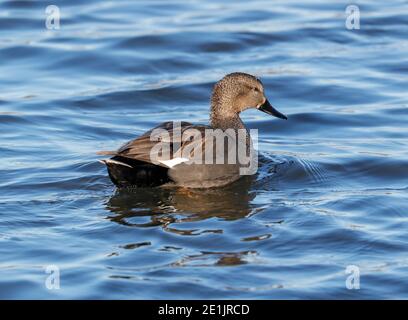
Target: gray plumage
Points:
(134, 163)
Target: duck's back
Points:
(193, 158)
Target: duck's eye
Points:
(256, 89)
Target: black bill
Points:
(267, 108)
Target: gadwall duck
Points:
(167, 154)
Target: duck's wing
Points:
(146, 147)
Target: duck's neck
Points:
(233, 121)
(225, 119)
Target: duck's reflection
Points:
(205, 259)
(164, 206)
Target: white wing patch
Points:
(173, 162)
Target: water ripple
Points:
(331, 188)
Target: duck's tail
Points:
(125, 172)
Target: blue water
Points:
(331, 190)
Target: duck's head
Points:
(239, 91)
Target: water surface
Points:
(332, 187)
